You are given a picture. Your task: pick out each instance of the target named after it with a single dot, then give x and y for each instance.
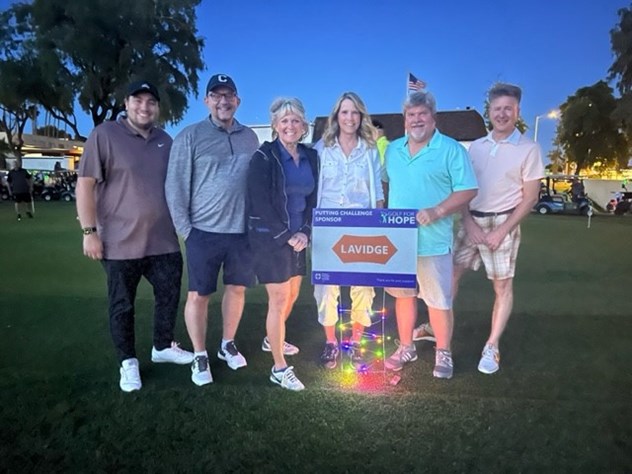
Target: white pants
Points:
(327, 302)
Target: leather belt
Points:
(491, 214)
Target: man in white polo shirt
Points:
(508, 168)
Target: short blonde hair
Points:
(287, 105)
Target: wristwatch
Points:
(88, 230)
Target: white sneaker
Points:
(232, 356)
(130, 375)
(286, 379)
(288, 349)
(172, 354)
(490, 360)
(200, 371)
(423, 332)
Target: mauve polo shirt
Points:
(133, 219)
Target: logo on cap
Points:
(222, 78)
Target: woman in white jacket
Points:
(350, 177)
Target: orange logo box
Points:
(362, 248)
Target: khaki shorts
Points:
(434, 281)
(499, 264)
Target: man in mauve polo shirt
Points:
(508, 168)
(126, 225)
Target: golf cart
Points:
(563, 194)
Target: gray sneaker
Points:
(400, 357)
(490, 360)
(329, 355)
(444, 367)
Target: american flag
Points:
(415, 84)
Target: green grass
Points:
(561, 402)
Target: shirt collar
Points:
(435, 141)
(285, 155)
(123, 121)
(514, 138)
(359, 146)
(233, 128)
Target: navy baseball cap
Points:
(143, 86)
(221, 80)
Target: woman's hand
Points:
(298, 241)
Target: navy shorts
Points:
(209, 252)
(276, 264)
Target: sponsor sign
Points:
(364, 247)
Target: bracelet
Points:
(88, 230)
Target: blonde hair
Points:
(366, 130)
(287, 105)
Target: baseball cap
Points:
(221, 80)
(143, 86)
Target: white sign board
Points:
(364, 247)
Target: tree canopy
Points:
(621, 42)
(587, 130)
(77, 52)
(621, 69)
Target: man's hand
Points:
(495, 238)
(429, 215)
(92, 246)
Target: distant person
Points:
(577, 190)
(350, 177)
(508, 168)
(126, 225)
(381, 142)
(206, 192)
(431, 172)
(20, 184)
(282, 186)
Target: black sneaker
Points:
(357, 359)
(329, 355)
(30, 214)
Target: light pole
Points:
(553, 114)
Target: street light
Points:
(553, 114)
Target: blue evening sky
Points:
(315, 50)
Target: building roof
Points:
(462, 125)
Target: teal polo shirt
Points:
(426, 179)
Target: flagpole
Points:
(407, 82)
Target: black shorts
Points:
(22, 197)
(209, 252)
(276, 264)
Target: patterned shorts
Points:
(499, 264)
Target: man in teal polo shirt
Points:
(431, 172)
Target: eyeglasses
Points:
(229, 96)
